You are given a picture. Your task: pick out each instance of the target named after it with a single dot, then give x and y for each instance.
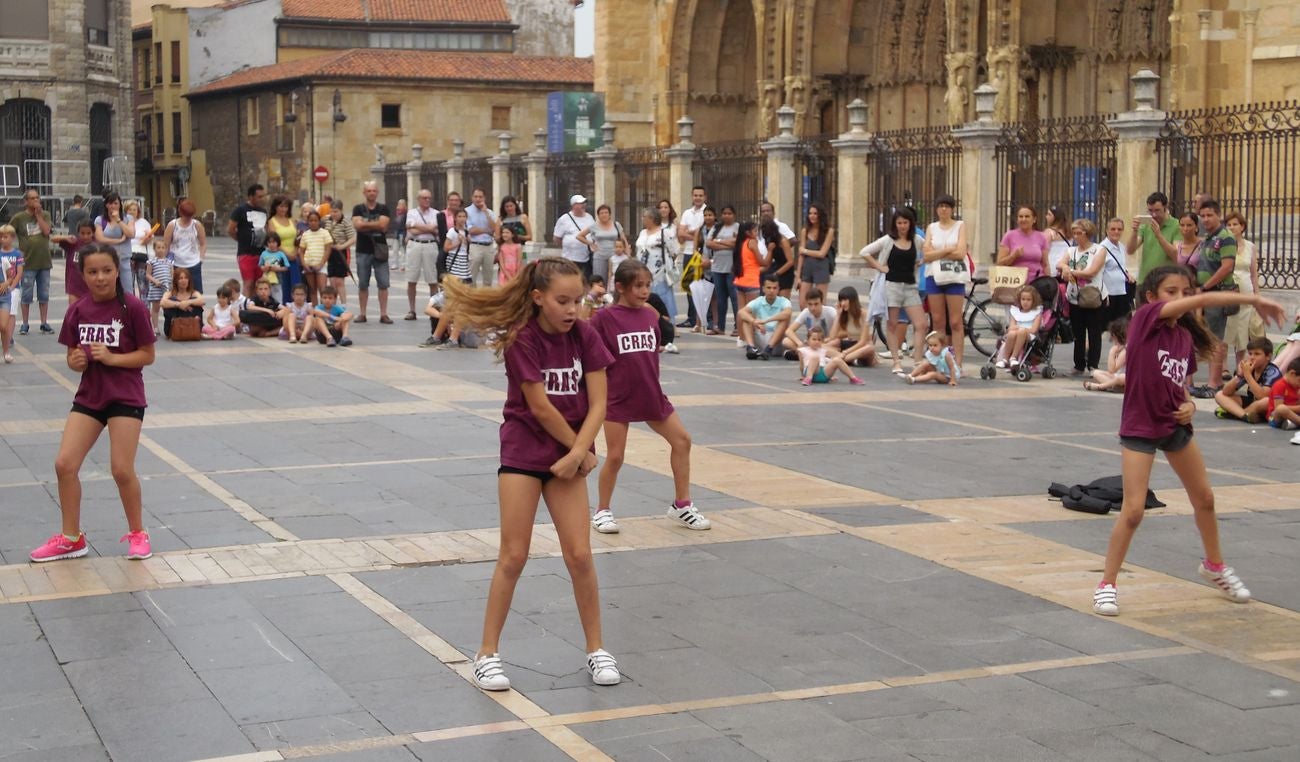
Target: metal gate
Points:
(567, 174)
(1066, 163)
(815, 174)
(25, 136)
(394, 184)
(1247, 157)
(912, 168)
(433, 178)
(476, 173)
(641, 179)
(101, 144)
(733, 173)
(519, 182)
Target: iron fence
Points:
(567, 174)
(434, 178)
(1247, 157)
(641, 179)
(394, 184)
(733, 173)
(816, 169)
(911, 168)
(476, 173)
(519, 183)
(1067, 163)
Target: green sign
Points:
(573, 121)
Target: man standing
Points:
(73, 218)
(482, 223)
(783, 258)
(567, 228)
(248, 227)
(1153, 236)
(426, 228)
(453, 206)
(371, 221)
(1214, 273)
(33, 228)
(693, 218)
(399, 233)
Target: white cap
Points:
(577, 198)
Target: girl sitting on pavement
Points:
(1112, 379)
(818, 363)
(939, 364)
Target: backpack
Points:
(1099, 496)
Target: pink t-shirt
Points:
(559, 361)
(1034, 243)
(1160, 359)
(632, 337)
(90, 322)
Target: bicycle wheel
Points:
(982, 328)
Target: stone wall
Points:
(545, 27)
(224, 40)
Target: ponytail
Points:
(506, 308)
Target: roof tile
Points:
(399, 10)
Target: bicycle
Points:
(982, 329)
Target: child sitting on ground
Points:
(939, 364)
(764, 321)
(1253, 382)
(264, 315)
(331, 319)
(1112, 379)
(817, 364)
(223, 319)
(815, 315)
(297, 317)
(1026, 318)
(443, 330)
(1284, 400)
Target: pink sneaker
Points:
(58, 548)
(806, 381)
(856, 381)
(138, 548)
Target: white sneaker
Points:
(688, 517)
(489, 674)
(1228, 583)
(1295, 440)
(740, 343)
(603, 668)
(1105, 600)
(1001, 364)
(672, 349)
(604, 521)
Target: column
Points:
(501, 170)
(455, 167)
(413, 168)
(603, 160)
(681, 156)
(1136, 159)
(781, 178)
(979, 186)
(853, 177)
(536, 209)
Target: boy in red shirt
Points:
(1284, 399)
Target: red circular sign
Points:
(321, 174)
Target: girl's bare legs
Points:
(153, 315)
(566, 500)
(1136, 469)
(79, 435)
(124, 440)
(679, 456)
(934, 376)
(838, 364)
(290, 326)
(916, 314)
(1189, 465)
(6, 332)
(615, 446)
(893, 336)
(955, 306)
(518, 495)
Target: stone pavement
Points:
(885, 578)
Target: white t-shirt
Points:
(1025, 319)
(1112, 273)
(141, 230)
(693, 219)
(185, 243)
(567, 228)
(807, 321)
(224, 316)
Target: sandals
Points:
(1092, 386)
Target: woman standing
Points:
(605, 239)
(142, 234)
(1115, 273)
(1079, 269)
(338, 268)
(656, 248)
(282, 224)
(816, 241)
(1025, 245)
(513, 217)
(187, 242)
(116, 229)
(900, 268)
(1246, 324)
(1059, 234)
(945, 238)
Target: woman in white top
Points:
(1057, 228)
(142, 234)
(1115, 273)
(1246, 324)
(1080, 268)
(656, 248)
(187, 242)
(946, 239)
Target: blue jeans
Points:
(724, 290)
(665, 292)
(196, 277)
(40, 279)
(289, 279)
(366, 265)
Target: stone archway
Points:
(714, 68)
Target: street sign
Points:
(320, 173)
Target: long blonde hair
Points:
(508, 307)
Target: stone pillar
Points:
(781, 180)
(605, 188)
(681, 155)
(377, 176)
(455, 167)
(853, 177)
(979, 186)
(413, 168)
(1135, 148)
(536, 201)
(500, 170)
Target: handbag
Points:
(379, 245)
(693, 271)
(1006, 281)
(831, 255)
(1089, 297)
(948, 272)
(186, 329)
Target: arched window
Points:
(25, 137)
(101, 143)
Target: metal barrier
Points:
(1247, 158)
(434, 178)
(394, 184)
(1067, 163)
(567, 174)
(734, 173)
(57, 177)
(816, 170)
(641, 179)
(476, 173)
(912, 168)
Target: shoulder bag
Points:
(186, 328)
(948, 272)
(1088, 297)
(1130, 286)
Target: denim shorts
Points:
(1174, 441)
(40, 279)
(948, 289)
(366, 264)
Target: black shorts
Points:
(337, 266)
(1174, 441)
(784, 281)
(114, 410)
(542, 476)
(336, 333)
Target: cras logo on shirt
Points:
(97, 333)
(563, 381)
(1172, 369)
(637, 341)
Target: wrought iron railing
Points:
(641, 176)
(733, 173)
(476, 173)
(815, 177)
(911, 168)
(394, 185)
(567, 175)
(434, 178)
(519, 183)
(1247, 157)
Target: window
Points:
(97, 22)
(253, 112)
(146, 126)
(500, 118)
(157, 63)
(176, 62)
(101, 143)
(25, 19)
(176, 132)
(25, 134)
(390, 116)
(158, 134)
(284, 136)
(145, 61)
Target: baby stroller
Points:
(1037, 354)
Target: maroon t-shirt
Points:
(632, 336)
(90, 322)
(560, 362)
(1161, 358)
(73, 283)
